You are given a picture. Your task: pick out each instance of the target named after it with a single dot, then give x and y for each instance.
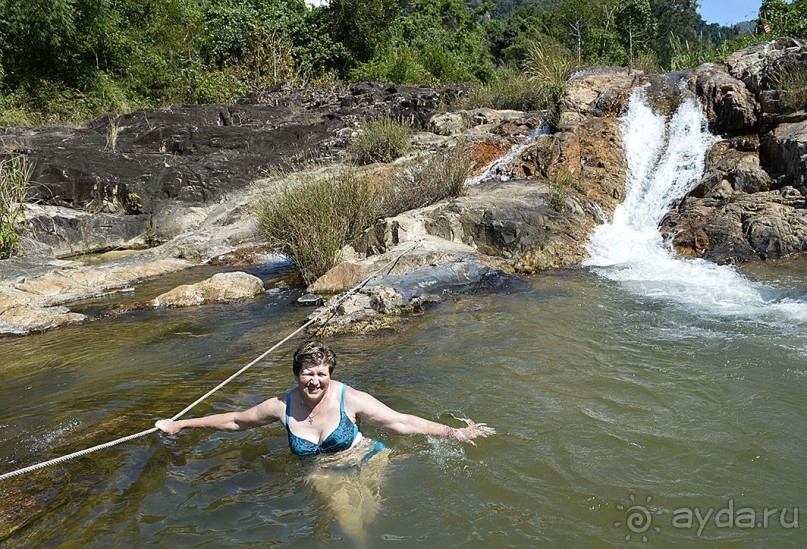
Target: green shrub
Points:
(510, 89)
(790, 80)
(380, 141)
(397, 65)
(560, 182)
(686, 56)
(443, 176)
(312, 219)
(549, 64)
(15, 176)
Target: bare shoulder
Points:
(270, 409)
(356, 399)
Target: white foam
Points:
(666, 159)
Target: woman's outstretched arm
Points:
(375, 412)
(264, 413)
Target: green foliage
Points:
(790, 80)
(9, 240)
(560, 182)
(677, 22)
(685, 55)
(314, 218)
(66, 61)
(509, 89)
(442, 176)
(15, 176)
(784, 18)
(398, 64)
(549, 64)
(637, 25)
(431, 41)
(380, 141)
(133, 204)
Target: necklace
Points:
(311, 413)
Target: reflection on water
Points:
(597, 394)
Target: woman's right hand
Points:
(168, 426)
(474, 430)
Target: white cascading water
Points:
(666, 159)
(501, 167)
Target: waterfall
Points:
(665, 160)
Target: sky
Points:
(724, 12)
(728, 12)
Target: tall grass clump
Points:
(380, 141)
(560, 183)
(15, 176)
(313, 218)
(510, 89)
(549, 64)
(790, 79)
(442, 176)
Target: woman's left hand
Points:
(474, 430)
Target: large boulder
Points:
(740, 227)
(729, 106)
(762, 66)
(784, 149)
(408, 277)
(594, 91)
(220, 288)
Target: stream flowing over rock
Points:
(751, 202)
(180, 184)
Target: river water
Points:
(640, 397)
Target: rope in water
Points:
(331, 308)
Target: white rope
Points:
(121, 440)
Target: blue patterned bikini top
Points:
(340, 439)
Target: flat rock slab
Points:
(36, 304)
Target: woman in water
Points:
(322, 416)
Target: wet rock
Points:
(741, 171)
(594, 91)
(33, 303)
(220, 288)
(760, 67)
(311, 300)
(729, 106)
(416, 279)
(24, 319)
(763, 225)
(784, 149)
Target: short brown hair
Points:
(313, 353)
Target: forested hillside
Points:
(69, 60)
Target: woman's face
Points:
(313, 381)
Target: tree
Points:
(431, 41)
(676, 21)
(636, 26)
(784, 19)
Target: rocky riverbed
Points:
(179, 184)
